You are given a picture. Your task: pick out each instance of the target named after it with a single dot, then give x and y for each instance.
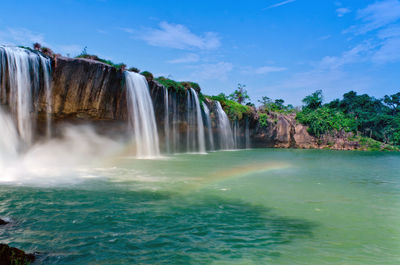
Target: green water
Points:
(247, 207)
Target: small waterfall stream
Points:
(226, 140)
(247, 134)
(23, 76)
(209, 129)
(141, 116)
(199, 123)
(166, 121)
(9, 142)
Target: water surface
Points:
(264, 206)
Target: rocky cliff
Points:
(283, 131)
(86, 90)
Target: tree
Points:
(240, 94)
(314, 101)
(279, 103)
(265, 101)
(393, 101)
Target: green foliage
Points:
(149, 76)
(378, 119)
(134, 69)
(233, 109)
(370, 144)
(263, 120)
(314, 100)
(189, 85)
(171, 84)
(393, 102)
(324, 120)
(240, 94)
(275, 106)
(85, 55)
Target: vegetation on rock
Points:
(171, 84)
(149, 76)
(378, 119)
(233, 109)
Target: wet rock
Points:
(10, 255)
(3, 222)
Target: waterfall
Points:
(141, 115)
(166, 120)
(175, 119)
(9, 141)
(224, 129)
(209, 130)
(199, 122)
(235, 134)
(247, 135)
(23, 74)
(189, 121)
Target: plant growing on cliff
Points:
(149, 76)
(240, 94)
(314, 100)
(325, 120)
(37, 46)
(171, 84)
(263, 120)
(278, 105)
(233, 109)
(134, 69)
(188, 85)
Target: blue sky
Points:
(277, 48)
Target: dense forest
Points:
(363, 115)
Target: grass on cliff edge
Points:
(233, 109)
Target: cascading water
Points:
(141, 115)
(166, 120)
(23, 75)
(235, 134)
(224, 129)
(247, 134)
(209, 130)
(199, 122)
(9, 141)
(175, 118)
(195, 141)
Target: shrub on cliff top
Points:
(120, 66)
(188, 85)
(171, 84)
(149, 76)
(263, 120)
(325, 120)
(233, 109)
(134, 69)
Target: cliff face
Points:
(283, 131)
(86, 90)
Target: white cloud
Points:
(20, 36)
(188, 58)
(269, 69)
(389, 32)
(179, 37)
(388, 52)
(342, 11)
(217, 71)
(325, 37)
(378, 15)
(280, 4)
(101, 31)
(356, 54)
(263, 70)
